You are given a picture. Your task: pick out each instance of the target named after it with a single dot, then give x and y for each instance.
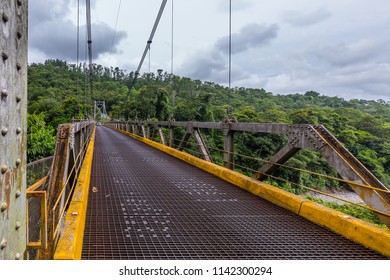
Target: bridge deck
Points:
(144, 204)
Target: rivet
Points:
(18, 130)
(18, 98)
(17, 256)
(4, 92)
(4, 168)
(3, 244)
(4, 206)
(18, 66)
(18, 193)
(4, 131)
(5, 18)
(4, 55)
(18, 162)
(17, 226)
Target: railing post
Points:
(171, 133)
(161, 135)
(13, 131)
(228, 140)
(143, 131)
(58, 176)
(171, 136)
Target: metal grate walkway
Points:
(144, 204)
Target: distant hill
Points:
(59, 91)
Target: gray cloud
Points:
(213, 64)
(42, 11)
(250, 36)
(53, 35)
(342, 55)
(297, 18)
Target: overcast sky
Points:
(335, 47)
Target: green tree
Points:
(40, 137)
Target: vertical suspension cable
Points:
(78, 33)
(230, 43)
(149, 58)
(113, 37)
(172, 53)
(164, 2)
(77, 46)
(89, 32)
(172, 41)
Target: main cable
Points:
(149, 42)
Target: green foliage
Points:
(40, 137)
(58, 89)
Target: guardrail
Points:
(304, 136)
(48, 198)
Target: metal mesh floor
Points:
(144, 204)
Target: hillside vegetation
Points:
(58, 93)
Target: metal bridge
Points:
(113, 192)
(145, 204)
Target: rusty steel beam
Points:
(57, 178)
(161, 134)
(284, 154)
(171, 136)
(228, 140)
(69, 153)
(349, 168)
(202, 146)
(13, 128)
(143, 131)
(184, 141)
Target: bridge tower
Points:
(99, 108)
(13, 125)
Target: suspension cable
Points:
(89, 33)
(113, 37)
(230, 44)
(149, 42)
(172, 39)
(77, 46)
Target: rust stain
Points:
(7, 191)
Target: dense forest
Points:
(58, 93)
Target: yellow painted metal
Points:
(37, 184)
(361, 232)
(42, 243)
(364, 233)
(71, 241)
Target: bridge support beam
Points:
(283, 155)
(143, 131)
(184, 141)
(161, 134)
(228, 140)
(13, 129)
(202, 146)
(171, 136)
(58, 177)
